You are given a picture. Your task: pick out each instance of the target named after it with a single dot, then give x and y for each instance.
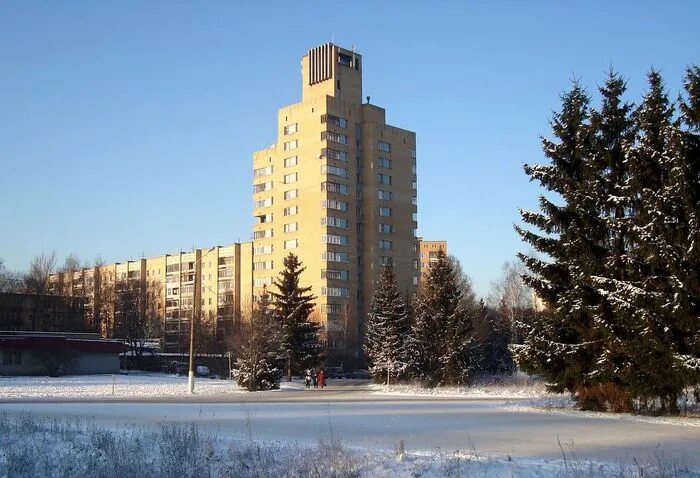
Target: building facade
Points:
(337, 189)
(209, 284)
(428, 254)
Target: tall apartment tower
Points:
(338, 189)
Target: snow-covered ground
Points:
(131, 385)
(34, 446)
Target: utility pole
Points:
(195, 305)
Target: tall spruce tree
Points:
(293, 305)
(442, 346)
(561, 345)
(387, 330)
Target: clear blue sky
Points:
(126, 128)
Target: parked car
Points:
(335, 372)
(359, 374)
(182, 368)
(201, 371)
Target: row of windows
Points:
(289, 145)
(336, 274)
(291, 227)
(384, 195)
(266, 171)
(333, 221)
(334, 154)
(259, 250)
(291, 194)
(332, 256)
(263, 265)
(386, 228)
(291, 178)
(334, 239)
(263, 281)
(335, 187)
(334, 204)
(335, 291)
(291, 243)
(334, 170)
(266, 202)
(266, 186)
(334, 137)
(291, 211)
(290, 161)
(334, 120)
(291, 128)
(385, 244)
(384, 163)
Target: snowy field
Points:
(50, 447)
(133, 385)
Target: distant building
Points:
(220, 278)
(428, 254)
(42, 313)
(49, 353)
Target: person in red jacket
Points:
(321, 378)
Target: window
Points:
(266, 202)
(384, 195)
(335, 188)
(291, 210)
(264, 218)
(386, 261)
(414, 185)
(332, 309)
(413, 169)
(291, 178)
(291, 244)
(291, 194)
(331, 256)
(414, 216)
(333, 221)
(384, 179)
(384, 244)
(261, 250)
(334, 137)
(414, 201)
(384, 163)
(263, 281)
(335, 291)
(386, 228)
(413, 154)
(385, 211)
(336, 274)
(266, 171)
(289, 145)
(415, 263)
(262, 265)
(290, 161)
(385, 147)
(290, 128)
(334, 170)
(291, 227)
(263, 233)
(415, 280)
(334, 154)
(334, 239)
(334, 120)
(258, 188)
(172, 268)
(334, 204)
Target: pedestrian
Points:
(321, 378)
(307, 378)
(314, 379)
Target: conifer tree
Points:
(442, 344)
(559, 345)
(259, 347)
(387, 330)
(293, 305)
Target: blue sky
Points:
(127, 128)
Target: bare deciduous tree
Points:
(37, 278)
(71, 263)
(510, 297)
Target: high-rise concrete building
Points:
(338, 189)
(428, 254)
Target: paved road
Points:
(365, 420)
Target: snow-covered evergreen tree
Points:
(387, 330)
(293, 305)
(442, 347)
(259, 347)
(559, 344)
